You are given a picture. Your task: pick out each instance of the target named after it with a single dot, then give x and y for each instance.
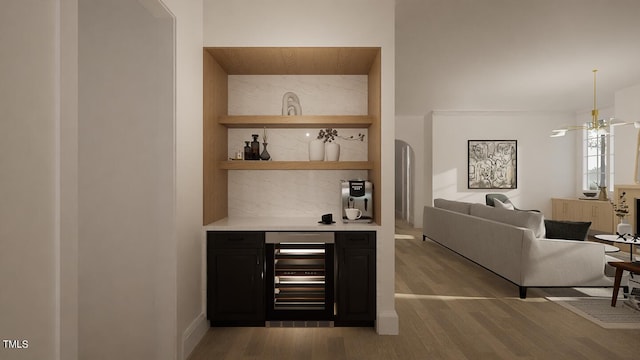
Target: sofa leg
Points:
(424, 238)
(523, 292)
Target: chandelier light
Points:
(600, 125)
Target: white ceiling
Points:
(514, 54)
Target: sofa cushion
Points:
(526, 219)
(457, 206)
(570, 230)
(500, 205)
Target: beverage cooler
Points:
(299, 276)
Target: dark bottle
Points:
(265, 154)
(247, 151)
(255, 148)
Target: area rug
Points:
(595, 306)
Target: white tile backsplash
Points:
(293, 144)
(318, 94)
(295, 193)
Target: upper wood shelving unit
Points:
(220, 62)
(295, 60)
(304, 121)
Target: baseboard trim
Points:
(193, 334)
(387, 323)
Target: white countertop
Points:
(285, 224)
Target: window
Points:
(597, 148)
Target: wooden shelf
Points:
(302, 121)
(295, 60)
(295, 165)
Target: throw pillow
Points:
(500, 205)
(569, 230)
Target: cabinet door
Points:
(558, 209)
(235, 278)
(566, 209)
(600, 213)
(601, 216)
(356, 283)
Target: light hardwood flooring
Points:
(449, 308)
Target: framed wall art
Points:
(492, 164)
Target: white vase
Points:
(316, 150)
(333, 151)
(624, 228)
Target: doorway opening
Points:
(404, 187)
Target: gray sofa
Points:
(512, 244)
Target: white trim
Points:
(387, 323)
(158, 9)
(495, 112)
(167, 274)
(193, 334)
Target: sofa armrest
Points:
(551, 262)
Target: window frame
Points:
(588, 174)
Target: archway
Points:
(404, 179)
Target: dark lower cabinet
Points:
(235, 278)
(356, 278)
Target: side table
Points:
(621, 240)
(620, 266)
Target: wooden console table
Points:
(620, 266)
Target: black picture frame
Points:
(492, 164)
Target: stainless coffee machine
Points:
(357, 194)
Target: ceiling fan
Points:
(600, 125)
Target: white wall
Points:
(542, 161)
(191, 319)
(411, 130)
(126, 184)
(177, 318)
(28, 194)
(327, 23)
(627, 108)
(569, 185)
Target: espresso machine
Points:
(357, 194)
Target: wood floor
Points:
(449, 308)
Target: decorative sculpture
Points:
(291, 104)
